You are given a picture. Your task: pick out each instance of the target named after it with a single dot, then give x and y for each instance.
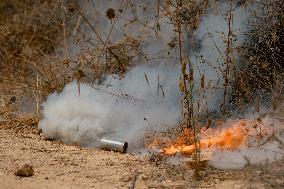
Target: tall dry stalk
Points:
(228, 52)
(186, 86)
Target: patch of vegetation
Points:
(262, 68)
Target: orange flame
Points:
(229, 138)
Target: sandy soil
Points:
(57, 165)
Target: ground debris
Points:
(25, 171)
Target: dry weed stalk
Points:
(229, 63)
(187, 15)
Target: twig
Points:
(77, 25)
(272, 150)
(133, 181)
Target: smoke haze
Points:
(147, 97)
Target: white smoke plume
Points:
(146, 98)
(98, 112)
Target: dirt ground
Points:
(57, 165)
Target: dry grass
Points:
(261, 71)
(30, 32)
(34, 55)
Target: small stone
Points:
(258, 172)
(268, 176)
(143, 177)
(126, 178)
(166, 183)
(25, 171)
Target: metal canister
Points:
(118, 146)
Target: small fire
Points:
(230, 138)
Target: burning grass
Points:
(227, 139)
(231, 136)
